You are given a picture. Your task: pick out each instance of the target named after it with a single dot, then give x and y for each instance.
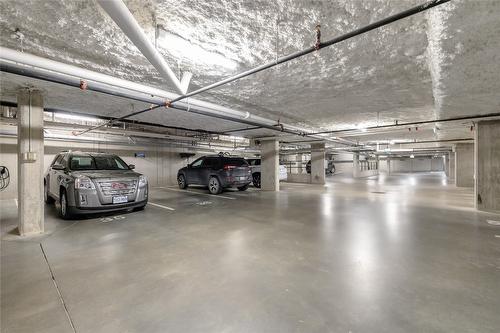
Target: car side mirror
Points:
(58, 167)
(131, 166)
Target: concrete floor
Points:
(405, 253)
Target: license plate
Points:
(120, 199)
(242, 178)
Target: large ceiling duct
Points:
(119, 12)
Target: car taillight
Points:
(229, 167)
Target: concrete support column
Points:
(270, 161)
(30, 161)
(451, 167)
(318, 163)
(447, 165)
(300, 166)
(355, 166)
(464, 165)
(487, 166)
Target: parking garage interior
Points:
(373, 128)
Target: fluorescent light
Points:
(361, 128)
(75, 117)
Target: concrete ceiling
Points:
(438, 64)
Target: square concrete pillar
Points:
(464, 165)
(269, 166)
(487, 166)
(30, 161)
(451, 167)
(355, 166)
(318, 163)
(300, 166)
(447, 165)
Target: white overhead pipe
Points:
(29, 60)
(119, 12)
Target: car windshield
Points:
(104, 162)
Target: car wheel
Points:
(214, 185)
(181, 180)
(256, 180)
(47, 198)
(63, 207)
(243, 188)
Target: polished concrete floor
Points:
(405, 253)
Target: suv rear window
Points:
(235, 161)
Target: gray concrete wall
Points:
(464, 165)
(487, 161)
(417, 164)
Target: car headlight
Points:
(84, 182)
(143, 181)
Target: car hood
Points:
(94, 174)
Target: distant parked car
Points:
(217, 172)
(93, 182)
(329, 167)
(255, 166)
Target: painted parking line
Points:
(199, 193)
(160, 206)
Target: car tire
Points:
(214, 185)
(243, 188)
(47, 198)
(63, 206)
(181, 180)
(256, 179)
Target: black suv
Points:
(329, 167)
(217, 172)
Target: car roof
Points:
(225, 156)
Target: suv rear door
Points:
(236, 167)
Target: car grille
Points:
(118, 187)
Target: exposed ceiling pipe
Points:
(119, 12)
(127, 121)
(319, 45)
(29, 65)
(14, 67)
(428, 141)
(413, 123)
